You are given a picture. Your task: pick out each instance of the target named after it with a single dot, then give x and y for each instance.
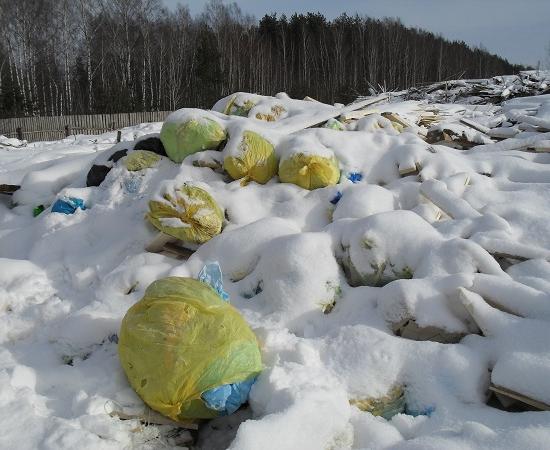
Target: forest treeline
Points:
(62, 57)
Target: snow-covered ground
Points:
(424, 227)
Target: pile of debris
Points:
(493, 90)
(518, 124)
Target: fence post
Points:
(67, 130)
(118, 136)
(19, 132)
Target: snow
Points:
(11, 142)
(321, 285)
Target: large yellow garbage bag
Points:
(257, 160)
(309, 171)
(181, 340)
(188, 213)
(140, 159)
(183, 135)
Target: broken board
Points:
(409, 329)
(149, 416)
(512, 397)
(8, 189)
(168, 246)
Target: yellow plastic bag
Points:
(238, 105)
(309, 171)
(180, 340)
(272, 115)
(188, 213)
(191, 135)
(391, 404)
(257, 162)
(140, 159)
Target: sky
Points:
(518, 30)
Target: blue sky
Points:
(519, 30)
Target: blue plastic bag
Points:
(133, 184)
(228, 398)
(355, 177)
(336, 198)
(427, 411)
(68, 205)
(211, 274)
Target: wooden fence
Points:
(50, 128)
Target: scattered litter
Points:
(354, 177)
(211, 274)
(68, 205)
(37, 210)
(336, 198)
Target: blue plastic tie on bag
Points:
(355, 177)
(428, 411)
(228, 398)
(211, 274)
(68, 205)
(336, 198)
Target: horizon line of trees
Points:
(60, 57)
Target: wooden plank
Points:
(519, 397)
(409, 329)
(168, 246)
(158, 243)
(178, 251)
(357, 114)
(542, 146)
(307, 98)
(152, 417)
(291, 128)
(503, 133)
(394, 117)
(8, 189)
(476, 126)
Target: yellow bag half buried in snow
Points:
(273, 115)
(309, 171)
(237, 107)
(140, 159)
(180, 340)
(188, 213)
(258, 161)
(181, 139)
